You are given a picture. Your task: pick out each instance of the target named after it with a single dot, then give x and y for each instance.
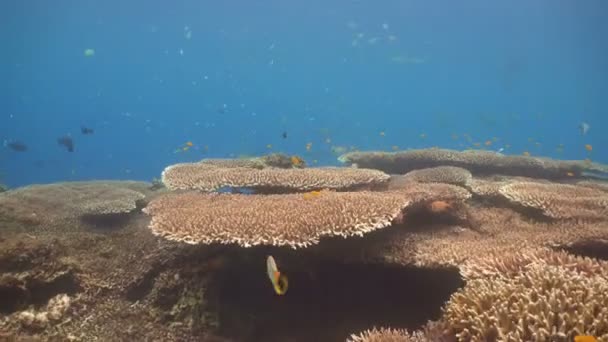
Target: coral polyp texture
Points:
(533, 296)
(294, 220)
(479, 162)
(559, 201)
(209, 177)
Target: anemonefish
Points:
(278, 280)
(584, 338)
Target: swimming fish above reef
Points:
(278, 280)
(67, 142)
(584, 127)
(16, 146)
(86, 130)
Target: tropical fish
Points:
(584, 127)
(67, 142)
(86, 130)
(278, 280)
(297, 162)
(312, 194)
(16, 146)
(284, 135)
(89, 52)
(588, 147)
(584, 338)
(382, 133)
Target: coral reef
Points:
(208, 178)
(540, 295)
(441, 174)
(479, 162)
(62, 204)
(295, 220)
(458, 258)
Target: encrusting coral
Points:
(209, 177)
(56, 204)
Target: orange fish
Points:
(297, 161)
(588, 147)
(584, 338)
(312, 194)
(189, 144)
(278, 281)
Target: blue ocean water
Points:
(232, 76)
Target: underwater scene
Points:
(287, 171)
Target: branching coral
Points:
(283, 220)
(542, 296)
(560, 201)
(208, 177)
(441, 174)
(479, 162)
(387, 335)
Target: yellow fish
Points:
(278, 281)
(312, 194)
(588, 147)
(584, 338)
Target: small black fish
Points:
(284, 135)
(67, 142)
(16, 146)
(86, 130)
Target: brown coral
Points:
(479, 162)
(441, 174)
(54, 203)
(560, 201)
(387, 335)
(532, 296)
(281, 220)
(207, 177)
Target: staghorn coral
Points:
(540, 295)
(479, 162)
(387, 335)
(441, 174)
(281, 220)
(559, 201)
(56, 204)
(206, 177)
